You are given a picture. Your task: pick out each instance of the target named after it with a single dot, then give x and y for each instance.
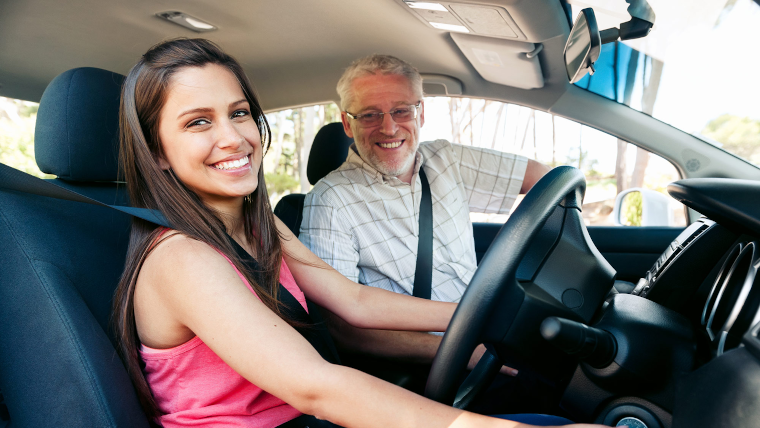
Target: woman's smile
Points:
(241, 164)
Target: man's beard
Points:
(390, 168)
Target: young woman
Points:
(209, 335)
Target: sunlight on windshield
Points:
(697, 70)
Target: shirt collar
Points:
(354, 158)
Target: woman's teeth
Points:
(232, 164)
(390, 145)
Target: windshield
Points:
(696, 70)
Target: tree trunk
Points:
(535, 143)
(499, 115)
(554, 143)
(453, 111)
(648, 99)
(620, 166)
(308, 115)
(621, 177)
(277, 149)
(527, 125)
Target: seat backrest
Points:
(328, 152)
(60, 262)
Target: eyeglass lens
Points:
(401, 114)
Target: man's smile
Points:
(390, 144)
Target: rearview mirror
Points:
(585, 42)
(583, 46)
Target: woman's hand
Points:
(478, 353)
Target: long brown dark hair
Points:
(143, 96)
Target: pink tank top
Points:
(194, 387)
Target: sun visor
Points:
(505, 62)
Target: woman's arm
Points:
(198, 289)
(361, 306)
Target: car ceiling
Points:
(294, 51)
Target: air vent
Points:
(731, 295)
(695, 235)
(746, 310)
(719, 280)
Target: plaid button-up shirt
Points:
(366, 225)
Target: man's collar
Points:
(354, 158)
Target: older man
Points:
(363, 218)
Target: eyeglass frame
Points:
(358, 117)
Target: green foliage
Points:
(739, 135)
(281, 183)
(631, 209)
(17, 119)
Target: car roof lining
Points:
(293, 51)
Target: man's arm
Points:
(328, 235)
(408, 346)
(533, 173)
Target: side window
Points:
(293, 131)
(626, 185)
(17, 120)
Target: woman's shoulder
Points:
(177, 255)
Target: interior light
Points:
(426, 5)
(198, 24)
(450, 27)
(187, 21)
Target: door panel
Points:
(630, 250)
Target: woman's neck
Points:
(234, 223)
(231, 213)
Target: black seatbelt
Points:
(13, 179)
(423, 275)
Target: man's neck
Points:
(407, 176)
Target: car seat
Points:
(60, 262)
(328, 151)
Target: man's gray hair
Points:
(376, 64)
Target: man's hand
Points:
(479, 351)
(533, 172)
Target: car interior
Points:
(678, 348)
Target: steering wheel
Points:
(494, 301)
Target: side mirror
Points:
(583, 46)
(642, 207)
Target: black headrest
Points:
(77, 132)
(328, 151)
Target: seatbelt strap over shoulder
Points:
(423, 275)
(13, 179)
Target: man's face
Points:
(390, 147)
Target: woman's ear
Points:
(163, 163)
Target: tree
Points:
(739, 135)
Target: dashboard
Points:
(688, 348)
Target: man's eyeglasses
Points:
(399, 114)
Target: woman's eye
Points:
(240, 113)
(198, 122)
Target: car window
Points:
(696, 70)
(17, 119)
(293, 131)
(611, 166)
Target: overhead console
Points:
(500, 39)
